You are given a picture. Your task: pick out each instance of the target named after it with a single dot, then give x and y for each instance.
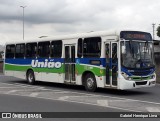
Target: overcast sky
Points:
(52, 17)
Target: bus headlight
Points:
(126, 76)
(153, 76)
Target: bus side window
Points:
(20, 51)
(92, 47)
(10, 51)
(80, 46)
(56, 49)
(107, 53)
(44, 49)
(31, 50)
(114, 53)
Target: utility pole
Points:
(23, 19)
(153, 25)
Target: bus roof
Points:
(70, 36)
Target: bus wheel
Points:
(30, 77)
(90, 83)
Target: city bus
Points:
(120, 60)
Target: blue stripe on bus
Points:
(62, 60)
(28, 61)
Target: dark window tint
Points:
(20, 51)
(79, 48)
(92, 47)
(10, 51)
(31, 50)
(43, 49)
(56, 49)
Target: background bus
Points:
(119, 60)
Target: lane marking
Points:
(34, 94)
(12, 91)
(22, 85)
(156, 103)
(113, 107)
(63, 98)
(153, 109)
(103, 103)
(7, 87)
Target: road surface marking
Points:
(153, 109)
(12, 91)
(7, 87)
(89, 94)
(113, 107)
(63, 98)
(34, 94)
(102, 103)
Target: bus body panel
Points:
(53, 69)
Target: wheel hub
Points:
(90, 82)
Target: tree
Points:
(158, 31)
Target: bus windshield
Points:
(137, 54)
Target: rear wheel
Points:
(90, 83)
(30, 77)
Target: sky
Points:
(58, 17)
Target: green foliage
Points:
(158, 31)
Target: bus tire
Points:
(90, 82)
(30, 77)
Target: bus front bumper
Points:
(131, 84)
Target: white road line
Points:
(7, 87)
(113, 107)
(119, 98)
(63, 98)
(84, 96)
(35, 94)
(23, 85)
(102, 103)
(63, 92)
(153, 109)
(12, 91)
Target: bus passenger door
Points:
(70, 64)
(111, 64)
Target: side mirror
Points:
(123, 49)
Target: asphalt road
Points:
(18, 96)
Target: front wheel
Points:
(30, 77)
(90, 83)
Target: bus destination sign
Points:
(133, 35)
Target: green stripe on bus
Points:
(80, 69)
(25, 68)
(96, 70)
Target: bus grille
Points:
(141, 73)
(141, 83)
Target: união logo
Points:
(46, 64)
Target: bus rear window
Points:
(10, 51)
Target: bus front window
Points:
(137, 54)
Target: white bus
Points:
(120, 60)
